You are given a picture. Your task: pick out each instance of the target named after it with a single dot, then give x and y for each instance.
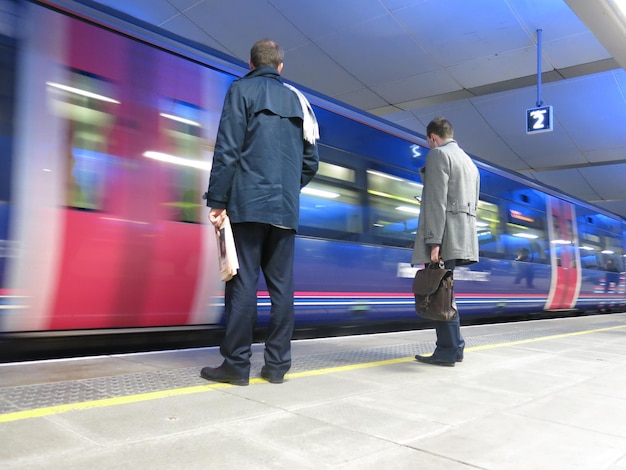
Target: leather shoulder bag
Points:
(433, 287)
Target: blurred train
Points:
(106, 138)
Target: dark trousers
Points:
(450, 343)
(270, 249)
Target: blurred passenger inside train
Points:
(524, 269)
(265, 153)
(612, 275)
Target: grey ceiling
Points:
(473, 61)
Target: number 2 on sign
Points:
(539, 116)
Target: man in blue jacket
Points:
(265, 153)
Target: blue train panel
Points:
(344, 282)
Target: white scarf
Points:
(310, 127)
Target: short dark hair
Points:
(440, 126)
(266, 53)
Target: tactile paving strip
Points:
(51, 394)
(359, 356)
(13, 399)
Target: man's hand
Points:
(217, 216)
(434, 253)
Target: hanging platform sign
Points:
(539, 120)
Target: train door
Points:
(564, 255)
(128, 260)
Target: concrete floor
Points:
(547, 394)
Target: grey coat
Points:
(448, 208)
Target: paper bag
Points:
(226, 251)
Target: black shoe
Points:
(459, 359)
(433, 360)
(218, 374)
(271, 378)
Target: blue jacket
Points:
(261, 160)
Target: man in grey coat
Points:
(447, 224)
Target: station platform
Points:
(541, 394)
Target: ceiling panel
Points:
(616, 207)
(236, 32)
(182, 5)
(354, 47)
(308, 65)
(362, 98)
(325, 17)
(186, 28)
(455, 31)
(607, 180)
(606, 154)
(495, 68)
(570, 181)
(419, 86)
(554, 18)
(597, 96)
(574, 50)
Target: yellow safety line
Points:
(87, 405)
(544, 338)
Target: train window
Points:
(394, 206)
(488, 226)
(87, 103)
(336, 172)
(330, 206)
(600, 241)
(180, 125)
(525, 234)
(515, 217)
(515, 214)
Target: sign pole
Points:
(539, 36)
(539, 119)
